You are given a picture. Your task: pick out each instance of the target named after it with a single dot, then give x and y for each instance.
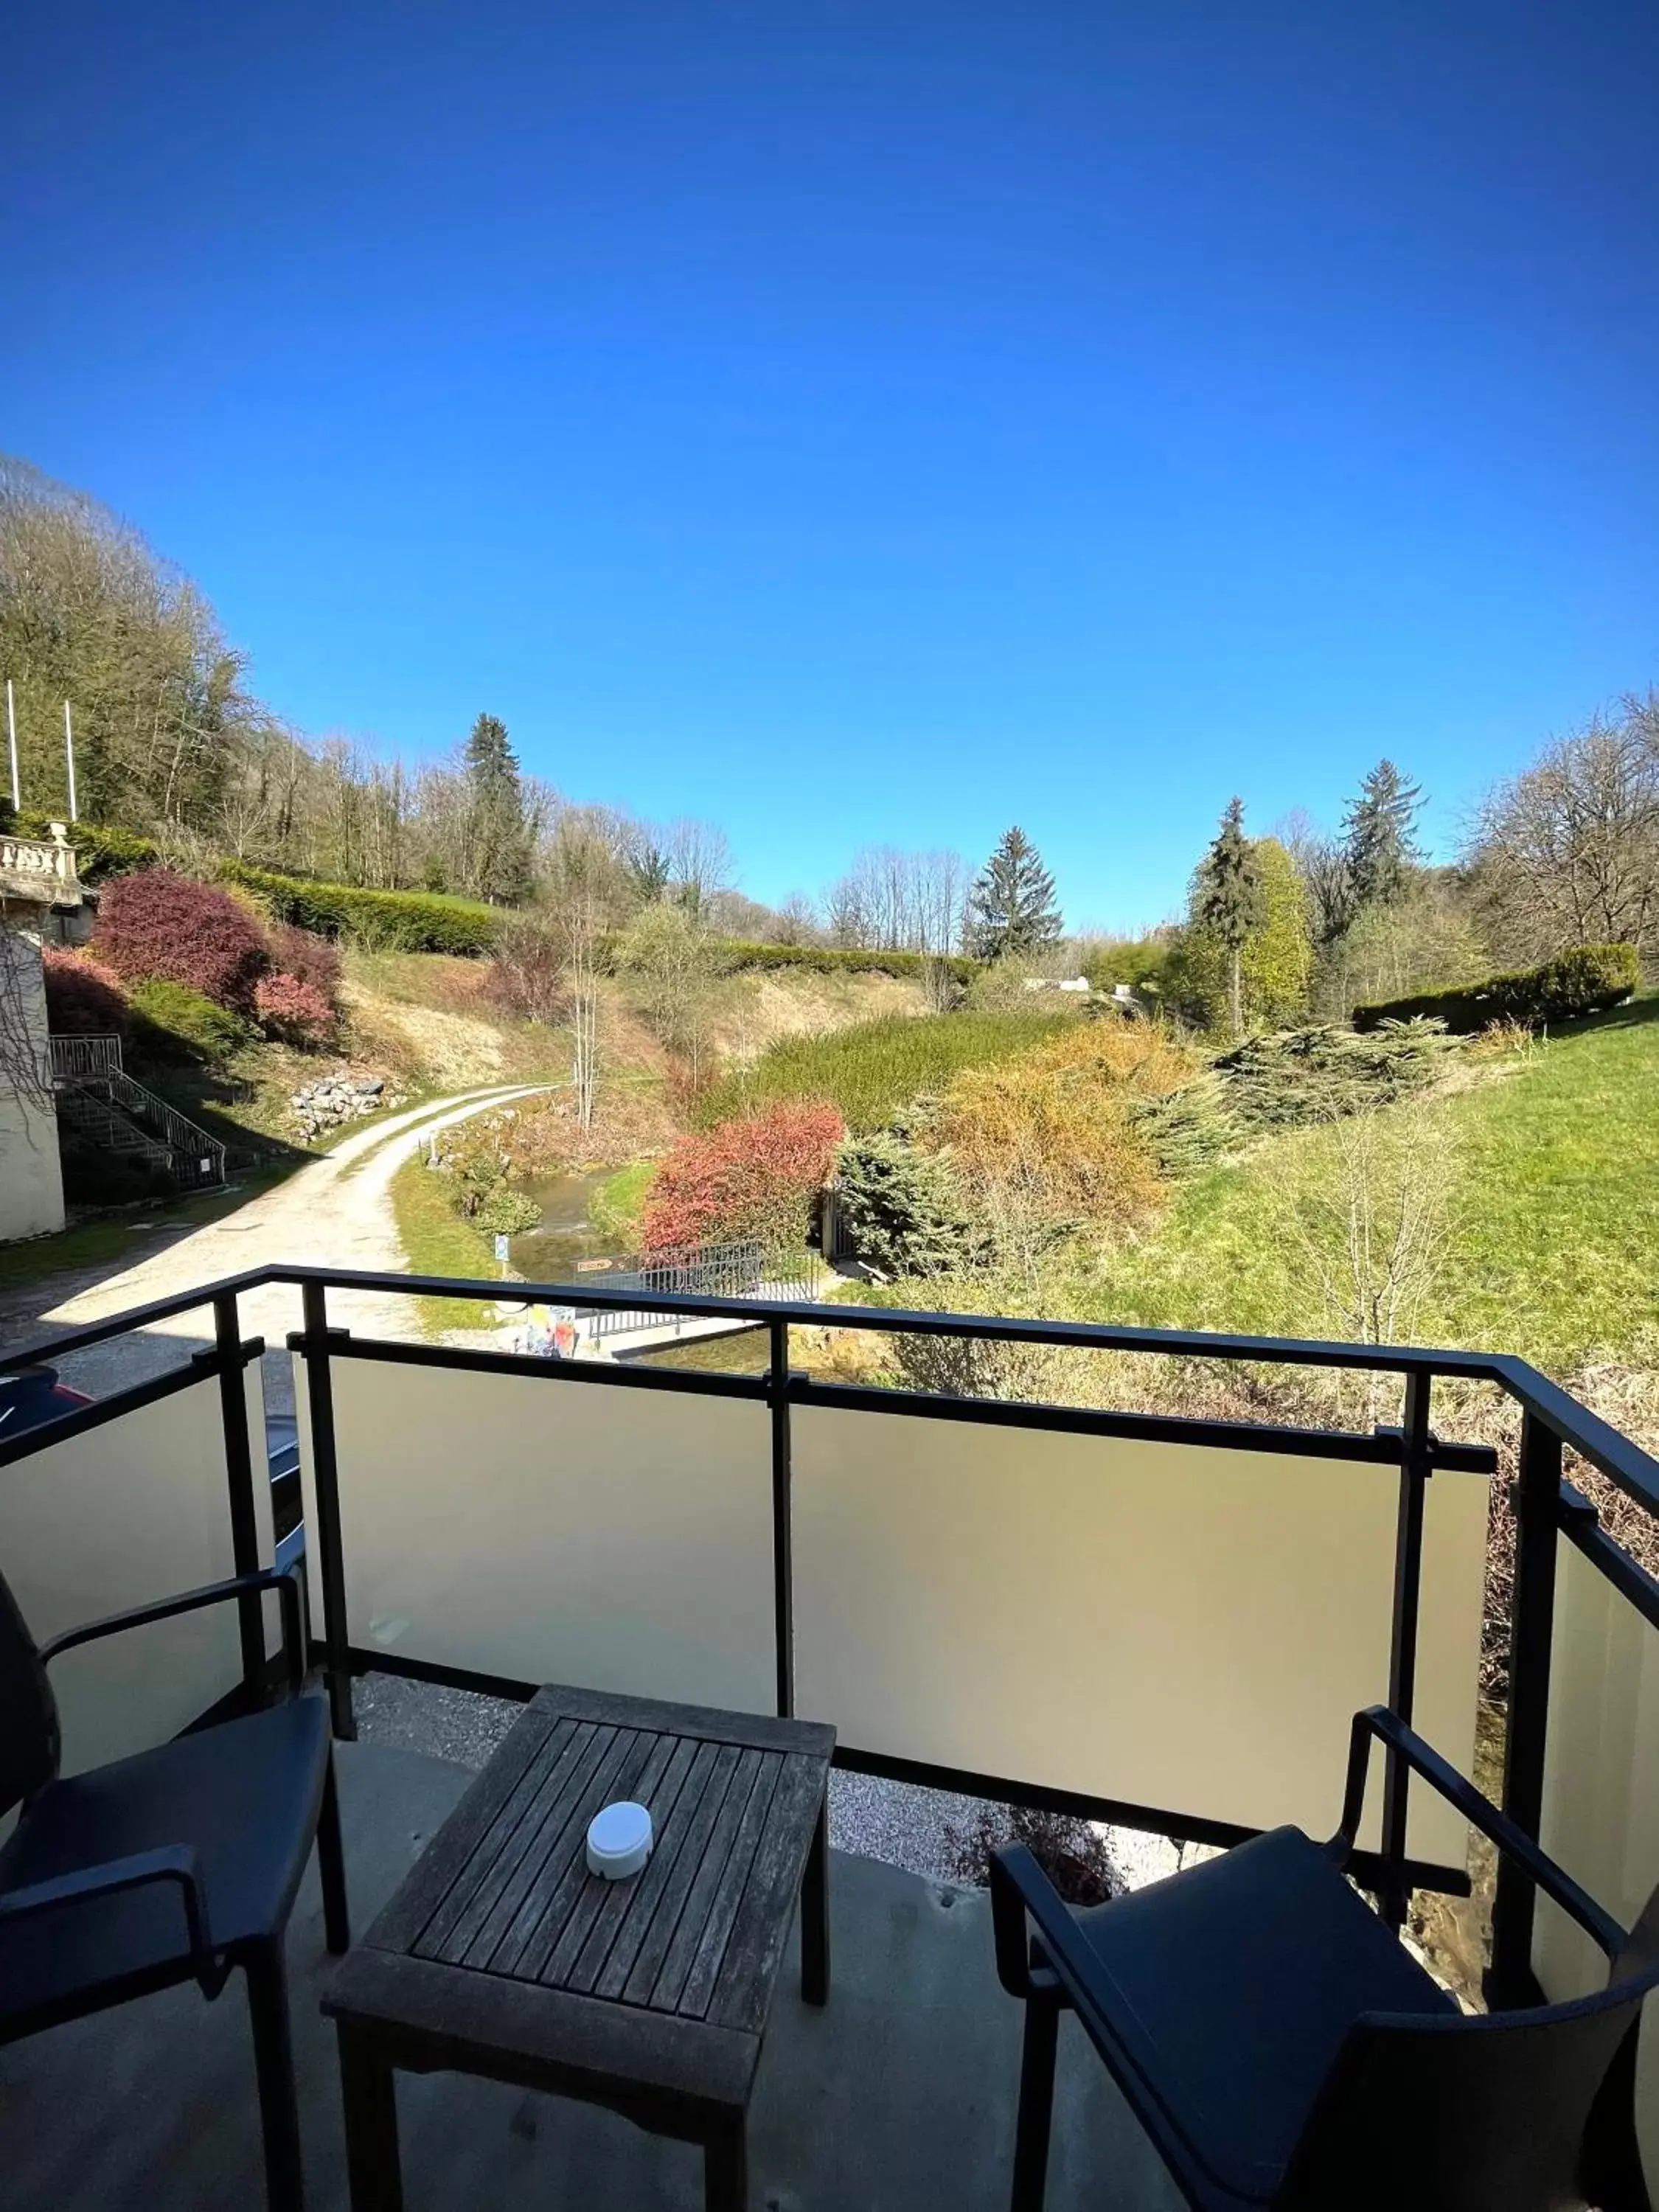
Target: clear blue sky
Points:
(879, 422)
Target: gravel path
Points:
(336, 1211)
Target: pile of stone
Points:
(335, 1099)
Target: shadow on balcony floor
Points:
(899, 2095)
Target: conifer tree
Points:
(1011, 908)
(1378, 844)
(1227, 900)
(498, 857)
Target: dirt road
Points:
(336, 1211)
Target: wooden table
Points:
(501, 1955)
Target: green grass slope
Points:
(874, 1068)
(1553, 1244)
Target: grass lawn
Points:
(873, 1069)
(616, 1206)
(1555, 1217)
(437, 1241)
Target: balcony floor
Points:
(900, 2095)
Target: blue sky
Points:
(859, 422)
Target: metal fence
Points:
(787, 1487)
(744, 1270)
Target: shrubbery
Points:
(82, 998)
(156, 924)
(753, 1178)
(1586, 981)
(900, 1211)
(387, 922)
(732, 954)
(308, 958)
(172, 1023)
(873, 1070)
(294, 1012)
(1297, 1076)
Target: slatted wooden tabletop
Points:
(501, 1938)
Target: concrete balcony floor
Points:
(900, 2095)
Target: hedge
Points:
(1586, 981)
(390, 922)
(838, 960)
(99, 850)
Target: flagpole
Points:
(68, 754)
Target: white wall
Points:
(31, 1179)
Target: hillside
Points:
(1552, 1226)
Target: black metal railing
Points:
(1546, 1506)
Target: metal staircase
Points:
(97, 1098)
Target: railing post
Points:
(238, 1477)
(783, 1596)
(1417, 1445)
(1537, 1496)
(325, 1494)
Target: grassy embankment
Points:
(873, 1069)
(1553, 1228)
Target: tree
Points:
(1011, 909)
(500, 839)
(672, 967)
(1567, 853)
(1378, 845)
(1227, 900)
(584, 891)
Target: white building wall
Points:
(31, 1179)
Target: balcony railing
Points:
(1162, 1622)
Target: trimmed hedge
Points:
(175, 1025)
(838, 960)
(1586, 981)
(388, 921)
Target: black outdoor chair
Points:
(177, 1864)
(1279, 2047)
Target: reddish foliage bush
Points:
(749, 1178)
(82, 998)
(308, 958)
(160, 924)
(292, 1009)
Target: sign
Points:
(500, 1251)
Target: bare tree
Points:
(1567, 853)
(699, 856)
(584, 891)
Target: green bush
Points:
(873, 1069)
(1293, 1077)
(387, 922)
(172, 1024)
(1586, 981)
(900, 1211)
(100, 850)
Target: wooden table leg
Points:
(726, 2167)
(367, 2093)
(815, 1915)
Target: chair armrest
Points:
(173, 1862)
(1379, 1720)
(1019, 1888)
(281, 1580)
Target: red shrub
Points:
(750, 1178)
(82, 998)
(308, 958)
(159, 924)
(295, 1011)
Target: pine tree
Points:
(1011, 908)
(1378, 844)
(498, 840)
(1227, 899)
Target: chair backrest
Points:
(30, 1744)
(1498, 2113)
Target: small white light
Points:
(619, 1840)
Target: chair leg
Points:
(273, 2057)
(1036, 2103)
(330, 1865)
